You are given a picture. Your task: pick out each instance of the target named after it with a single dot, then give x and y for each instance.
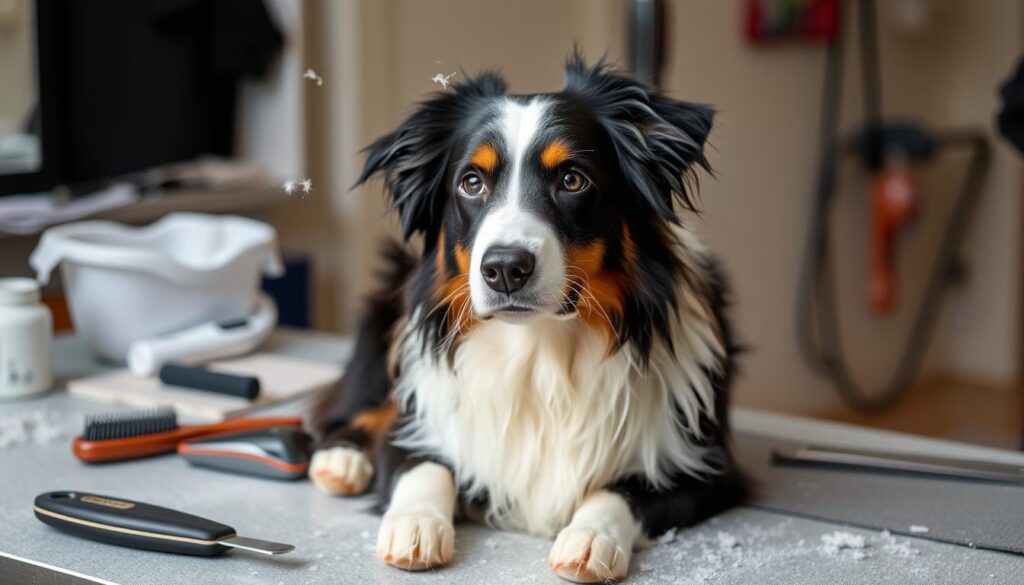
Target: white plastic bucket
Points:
(124, 284)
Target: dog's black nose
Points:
(506, 269)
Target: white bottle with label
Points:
(25, 330)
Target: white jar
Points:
(25, 331)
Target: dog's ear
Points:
(659, 141)
(414, 157)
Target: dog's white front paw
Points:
(588, 555)
(416, 541)
(341, 471)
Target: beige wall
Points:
(17, 62)
(378, 58)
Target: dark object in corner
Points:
(1011, 116)
(292, 292)
(148, 83)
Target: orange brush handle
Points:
(894, 201)
(167, 442)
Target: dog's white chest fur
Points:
(536, 416)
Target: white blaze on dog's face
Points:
(517, 266)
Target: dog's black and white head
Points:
(547, 206)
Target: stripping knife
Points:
(138, 525)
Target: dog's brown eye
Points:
(573, 182)
(472, 185)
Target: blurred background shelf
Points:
(241, 199)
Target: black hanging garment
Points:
(154, 82)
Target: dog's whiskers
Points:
(582, 287)
(456, 325)
(459, 290)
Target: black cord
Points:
(871, 85)
(808, 337)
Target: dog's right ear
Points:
(414, 158)
(659, 141)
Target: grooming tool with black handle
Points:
(138, 525)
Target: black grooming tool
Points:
(200, 378)
(138, 525)
(279, 453)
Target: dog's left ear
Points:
(659, 141)
(414, 157)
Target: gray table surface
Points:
(335, 537)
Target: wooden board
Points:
(281, 378)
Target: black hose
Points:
(808, 338)
(871, 85)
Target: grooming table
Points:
(778, 540)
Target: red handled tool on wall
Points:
(894, 202)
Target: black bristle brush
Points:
(141, 433)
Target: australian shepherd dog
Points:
(556, 359)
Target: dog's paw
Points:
(341, 471)
(588, 555)
(416, 541)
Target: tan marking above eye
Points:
(555, 154)
(485, 157)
